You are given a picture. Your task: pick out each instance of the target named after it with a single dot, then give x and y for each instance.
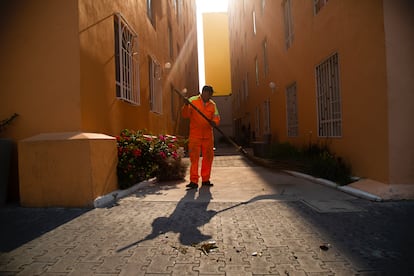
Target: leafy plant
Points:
(327, 165)
(142, 156)
(314, 159)
(284, 150)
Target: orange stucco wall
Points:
(58, 68)
(101, 111)
(39, 67)
(374, 115)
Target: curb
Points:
(346, 189)
(112, 197)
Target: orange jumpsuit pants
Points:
(201, 136)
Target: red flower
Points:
(163, 155)
(136, 152)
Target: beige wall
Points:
(374, 114)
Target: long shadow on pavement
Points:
(20, 225)
(189, 214)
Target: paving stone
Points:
(141, 235)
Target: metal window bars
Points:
(127, 67)
(292, 111)
(328, 97)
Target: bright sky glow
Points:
(205, 6)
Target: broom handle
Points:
(239, 148)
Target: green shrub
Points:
(328, 166)
(314, 159)
(284, 151)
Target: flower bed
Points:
(142, 156)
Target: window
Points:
(155, 86)
(288, 23)
(254, 22)
(175, 101)
(179, 10)
(170, 42)
(266, 118)
(292, 111)
(257, 126)
(246, 86)
(318, 4)
(150, 12)
(263, 6)
(126, 62)
(328, 97)
(265, 60)
(256, 62)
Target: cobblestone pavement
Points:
(287, 233)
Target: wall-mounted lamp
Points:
(272, 86)
(167, 65)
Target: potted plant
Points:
(6, 146)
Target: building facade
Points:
(335, 72)
(89, 66)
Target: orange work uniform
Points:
(201, 137)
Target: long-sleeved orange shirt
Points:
(199, 127)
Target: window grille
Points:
(266, 117)
(126, 62)
(254, 22)
(175, 101)
(257, 127)
(265, 59)
(256, 62)
(150, 11)
(292, 111)
(328, 97)
(170, 42)
(263, 6)
(318, 5)
(246, 86)
(288, 23)
(155, 86)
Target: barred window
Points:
(266, 117)
(292, 111)
(265, 58)
(288, 23)
(318, 5)
(328, 97)
(254, 22)
(256, 69)
(150, 12)
(257, 126)
(126, 62)
(155, 86)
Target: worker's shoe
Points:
(207, 183)
(192, 185)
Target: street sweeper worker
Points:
(201, 139)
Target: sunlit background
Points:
(205, 6)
